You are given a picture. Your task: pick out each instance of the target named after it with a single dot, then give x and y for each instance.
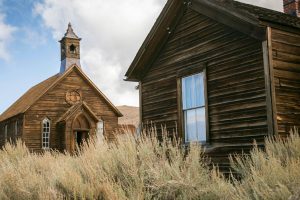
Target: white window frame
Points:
(205, 107)
(46, 131)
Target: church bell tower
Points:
(69, 49)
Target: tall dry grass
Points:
(144, 168)
(273, 173)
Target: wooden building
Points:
(62, 111)
(220, 72)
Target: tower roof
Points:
(70, 33)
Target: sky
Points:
(111, 31)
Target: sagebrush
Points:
(145, 168)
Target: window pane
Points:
(199, 90)
(193, 91)
(46, 133)
(201, 124)
(186, 92)
(195, 125)
(190, 126)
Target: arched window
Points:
(46, 134)
(73, 48)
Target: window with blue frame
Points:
(194, 108)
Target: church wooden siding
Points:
(11, 129)
(53, 105)
(235, 83)
(62, 111)
(286, 70)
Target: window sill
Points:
(195, 142)
(206, 146)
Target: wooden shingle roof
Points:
(36, 92)
(31, 96)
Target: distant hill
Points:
(131, 115)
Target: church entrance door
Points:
(80, 137)
(81, 129)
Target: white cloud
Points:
(5, 37)
(111, 31)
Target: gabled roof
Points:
(31, 96)
(36, 92)
(74, 109)
(248, 19)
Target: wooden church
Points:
(62, 111)
(221, 72)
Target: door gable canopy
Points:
(77, 110)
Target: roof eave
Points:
(90, 111)
(115, 109)
(131, 79)
(280, 26)
(246, 24)
(10, 117)
(118, 113)
(161, 24)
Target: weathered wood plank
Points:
(236, 93)
(53, 105)
(286, 66)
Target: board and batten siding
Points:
(235, 82)
(286, 70)
(53, 106)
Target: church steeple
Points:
(70, 50)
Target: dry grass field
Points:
(144, 168)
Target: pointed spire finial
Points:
(70, 33)
(70, 49)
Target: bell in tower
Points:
(70, 50)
